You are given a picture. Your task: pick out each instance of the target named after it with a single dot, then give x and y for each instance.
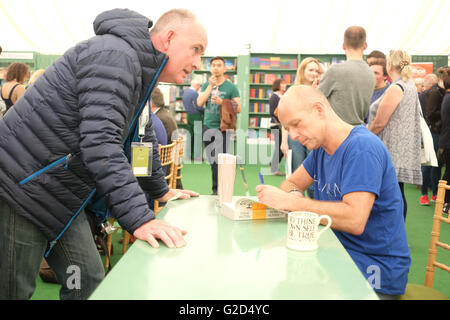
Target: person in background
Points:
(14, 86)
(354, 182)
(378, 67)
(428, 82)
(431, 101)
(444, 140)
(349, 85)
(419, 84)
(74, 123)
(159, 108)
(211, 97)
(194, 115)
(374, 56)
(278, 89)
(308, 73)
(35, 75)
(395, 118)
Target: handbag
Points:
(427, 154)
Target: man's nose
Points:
(197, 63)
(293, 134)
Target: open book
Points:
(249, 208)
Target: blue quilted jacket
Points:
(64, 138)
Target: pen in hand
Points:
(261, 179)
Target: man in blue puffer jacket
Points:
(63, 141)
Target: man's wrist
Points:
(294, 190)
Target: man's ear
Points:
(168, 37)
(365, 45)
(320, 108)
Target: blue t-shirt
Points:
(362, 163)
(190, 101)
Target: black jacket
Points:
(78, 112)
(433, 100)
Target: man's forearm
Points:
(339, 212)
(203, 97)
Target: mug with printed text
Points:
(303, 233)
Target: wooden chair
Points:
(178, 165)
(167, 157)
(427, 292)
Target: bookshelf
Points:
(264, 68)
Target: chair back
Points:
(178, 165)
(167, 157)
(435, 233)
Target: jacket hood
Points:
(133, 28)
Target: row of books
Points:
(230, 64)
(258, 122)
(269, 78)
(260, 93)
(273, 63)
(259, 107)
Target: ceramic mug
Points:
(303, 233)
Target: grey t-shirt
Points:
(348, 87)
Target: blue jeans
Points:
(74, 259)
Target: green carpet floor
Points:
(418, 226)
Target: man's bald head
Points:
(302, 97)
(173, 19)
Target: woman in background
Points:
(308, 74)
(395, 118)
(278, 88)
(36, 74)
(14, 86)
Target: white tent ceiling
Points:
(422, 27)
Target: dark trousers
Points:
(216, 142)
(446, 175)
(431, 175)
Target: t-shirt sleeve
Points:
(310, 163)
(362, 172)
(235, 92)
(326, 85)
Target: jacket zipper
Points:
(51, 165)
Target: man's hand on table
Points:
(184, 194)
(159, 229)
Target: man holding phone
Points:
(211, 97)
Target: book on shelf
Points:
(230, 64)
(265, 123)
(259, 107)
(269, 78)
